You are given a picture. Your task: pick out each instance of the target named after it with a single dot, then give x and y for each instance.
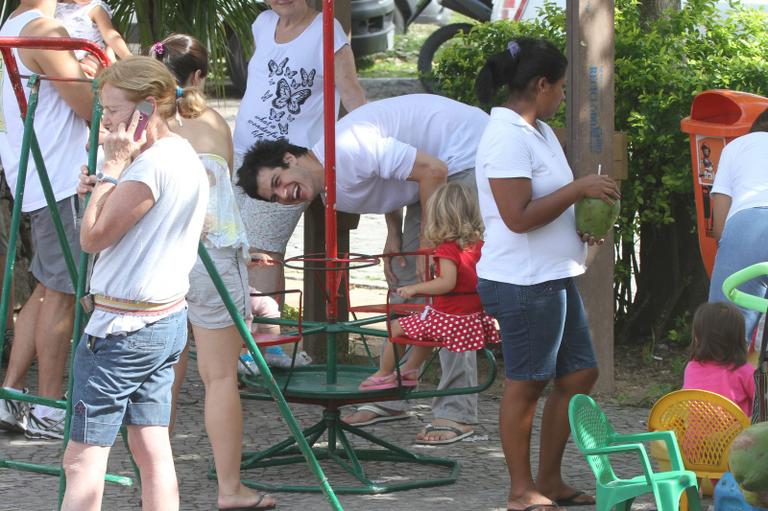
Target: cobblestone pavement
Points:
(481, 486)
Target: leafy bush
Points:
(660, 66)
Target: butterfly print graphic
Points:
(307, 78)
(275, 68)
(275, 115)
(288, 98)
(289, 73)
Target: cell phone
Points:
(145, 109)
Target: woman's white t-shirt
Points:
(512, 148)
(284, 94)
(742, 173)
(152, 261)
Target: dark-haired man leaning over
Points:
(390, 154)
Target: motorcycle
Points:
(479, 10)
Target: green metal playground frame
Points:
(330, 385)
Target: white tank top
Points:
(61, 133)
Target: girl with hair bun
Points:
(531, 254)
(216, 337)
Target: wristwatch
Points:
(103, 178)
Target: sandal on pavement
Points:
(409, 378)
(533, 507)
(460, 435)
(382, 415)
(378, 383)
(256, 506)
(578, 498)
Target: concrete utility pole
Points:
(590, 115)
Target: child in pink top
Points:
(719, 355)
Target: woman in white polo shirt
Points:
(531, 254)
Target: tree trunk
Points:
(671, 281)
(653, 9)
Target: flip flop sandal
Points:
(256, 506)
(534, 507)
(407, 378)
(378, 383)
(573, 500)
(382, 415)
(460, 435)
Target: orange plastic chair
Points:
(705, 425)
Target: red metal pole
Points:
(329, 107)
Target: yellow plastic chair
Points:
(705, 425)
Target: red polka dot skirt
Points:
(457, 332)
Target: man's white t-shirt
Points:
(742, 173)
(376, 148)
(152, 261)
(284, 94)
(512, 148)
(60, 132)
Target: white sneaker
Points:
(13, 415)
(303, 359)
(49, 426)
(283, 360)
(280, 360)
(246, 366)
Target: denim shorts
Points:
(742, 244)
(544, 330)
(125, 379)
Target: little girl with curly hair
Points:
(455, 318)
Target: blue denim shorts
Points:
(125, 379)
(544, 330)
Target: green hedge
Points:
(660, 66)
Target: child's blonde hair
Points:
(718, 335)
(453, 215)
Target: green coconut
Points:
(595, 216)
(748, 460)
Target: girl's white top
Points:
(77, 20)
(223, 226)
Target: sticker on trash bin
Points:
(709, 149)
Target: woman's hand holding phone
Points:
(122, 145)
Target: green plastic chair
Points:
(597, 440)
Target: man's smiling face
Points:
(291, 185)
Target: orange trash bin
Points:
(717, 117)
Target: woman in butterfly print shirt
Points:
(284, 99)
